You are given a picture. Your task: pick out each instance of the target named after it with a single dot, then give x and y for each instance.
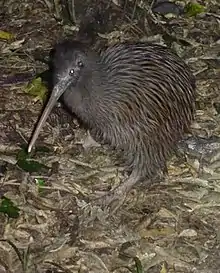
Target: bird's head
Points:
(70, 66)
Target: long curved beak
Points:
(58, 90)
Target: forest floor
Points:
(47, 222)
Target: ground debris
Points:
(169, 226)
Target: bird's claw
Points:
(110, 201)
(114, 199)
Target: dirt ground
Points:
(172, 225)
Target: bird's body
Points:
(137, 97)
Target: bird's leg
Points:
(114, 199)
(89, 142)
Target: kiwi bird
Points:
(136, 97)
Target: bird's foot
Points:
(89, 142)
(110, 201)
(114, 199)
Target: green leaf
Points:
(22, 155)
(37, 89)
(192, 9)
(25, 163)
(30, 165)
(6, 35)
(163, 269)
(40, 183)
(138, 265)
(7, 207)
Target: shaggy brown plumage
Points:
(138, 97)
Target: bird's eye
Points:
(71, 72)
(80, 64)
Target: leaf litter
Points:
(171, 226)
